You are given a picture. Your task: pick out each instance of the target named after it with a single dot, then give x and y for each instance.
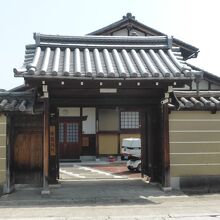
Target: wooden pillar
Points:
(145, 142)
(46, 146)
(144, 145)
(53, 140)
(165, 147)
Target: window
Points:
(68, 132)
(129, 120)
(72, 133)
(61, 132)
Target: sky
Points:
(196, 22)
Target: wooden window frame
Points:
(129, 128)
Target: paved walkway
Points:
(104, 197)
(92, 201)
(107, 192)
(94, 171)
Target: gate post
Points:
(165, 148)
(45, 190)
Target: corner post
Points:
(165, 147)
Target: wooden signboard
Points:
(52, 141)
(85, 141)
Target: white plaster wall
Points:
(69, 112)
(89, 126)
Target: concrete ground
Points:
(96, 171)
(102, 196)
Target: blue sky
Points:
(193, 21)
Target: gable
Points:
(129, 25)
(125, 32)
(204, 85)
(209, 81)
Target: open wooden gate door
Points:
(151, 137)
(28, 157)
(69, 138)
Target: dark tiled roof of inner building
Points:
(54, 56)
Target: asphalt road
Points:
(182, 207)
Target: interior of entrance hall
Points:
(89, 132)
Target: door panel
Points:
(69, 139)
(28, 158)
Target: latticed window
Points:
(68, 132)
(72, 133)
(130, 120)
(61, 132)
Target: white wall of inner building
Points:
(89, 126)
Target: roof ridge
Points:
(102, 41)
(38, 37)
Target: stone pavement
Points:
(94, 192)
(110, 200)
(101, 196)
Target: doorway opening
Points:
(112, 126)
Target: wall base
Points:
(197, 184)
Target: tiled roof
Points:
(209, 100)
(17, 101)
(103, 57)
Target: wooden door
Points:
(69, 138)
(28, 157)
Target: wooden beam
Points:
(103, 101)
(135, 83)
(165, 147)
(95, 93)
